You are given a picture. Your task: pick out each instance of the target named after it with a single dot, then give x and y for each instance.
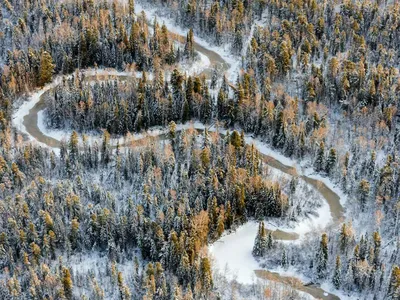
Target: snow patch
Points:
(234, 250)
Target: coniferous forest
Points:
(199, 149)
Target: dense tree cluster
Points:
(127, 106)
(219, 21)
(166, 202)
(41, 38)
(349, 263)
(320, 83)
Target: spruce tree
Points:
(205, 275)
(46, 68)
(284, 259)
(189, 46)
(73, 147)
(394, 284)
(320, 159)
(331, 161)
(270, 240)
(260, 243)
(322, 257)
(377, 248)
(67, 283)
(284, 58)
(363, 193)
(337, 276)
(344, 238)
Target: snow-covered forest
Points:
(148, 150)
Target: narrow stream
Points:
(30, 121)
(313, 290)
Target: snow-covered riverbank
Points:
(223, 51)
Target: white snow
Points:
(306, 225)
(197, 66)
(234, 250)
(23, 110)
(328, 287)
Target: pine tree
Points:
(105, 148)
(235, 139)
(121, 286)
(46, 68)
(331, 161)
(320, 159)
(73, 146)
(394, 284)
(189, 46)
(205, 275)
(363, 193)
(270, 240)
(349, 279)
(241, 201)
(205, 158)
(260, 243)
(214, 79)
(67, 283)
(284, 259)
(284, 60)
(377, 248)
(220, 222)
(177, 295)
(337, 276)
(279, 138)
(322, 257)
(344, 238)
(371, 164)
(172, 133)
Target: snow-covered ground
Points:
(196, 67)
(233, 252)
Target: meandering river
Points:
(32, 128)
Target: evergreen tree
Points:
(394, 284)
(73, 147)
(344, 238)
(189, 46)
(279, 139)
(337, 276)
(67, 283)
(284, 259)
(331, 161)
(363, 193)
(320, 159)
(270, 240)
(235, 139)
(377, 248)
(284, 59)
(46, 68)
(261, 242)
(322, 257)
(205, 275)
